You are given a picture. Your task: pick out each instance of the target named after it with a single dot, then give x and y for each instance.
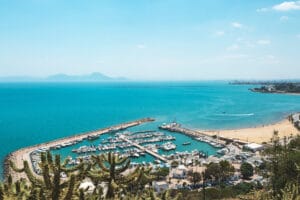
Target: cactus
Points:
(50, 185)
(17, 190)
(111, 166)
(139, 178)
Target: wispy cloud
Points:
(264, 42)
(237, 25)
(287, 6)
(141, 46)
(284, 18)
(298, 36)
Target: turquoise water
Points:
(32, 113)
(180, 138)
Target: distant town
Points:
(292, 87)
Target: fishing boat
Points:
(186, 143)
(92, 137)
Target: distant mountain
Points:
(93, 77)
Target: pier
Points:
(175, 127)
(23, 154)
(156, 155)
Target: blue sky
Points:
(151, 39)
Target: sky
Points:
(151, 39)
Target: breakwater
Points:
(23, 154)
(175, 127)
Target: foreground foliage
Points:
(281, 168)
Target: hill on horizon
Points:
(93, 77)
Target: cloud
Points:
(233, 47)
(219, 33)
(141, 46)
(237, 25)
(298, 36)
(287, 6)
(264, 42)
(284, 18)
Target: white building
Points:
(160, 186)
(180, 172)
(253, 147)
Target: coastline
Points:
(23, 154)
(285, 93)
(259, 134)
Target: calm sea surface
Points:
(32, 113)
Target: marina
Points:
(160, 146)
(31, 153)
(151, 147)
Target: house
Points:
(87, 185)
(160, 186)
(253, 147)
(180, 172)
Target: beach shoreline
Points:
(259, 134)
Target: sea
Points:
(32, 113)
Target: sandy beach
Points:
(257, 134)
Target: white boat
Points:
(168, 146)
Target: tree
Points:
(174, 164)
(194, 177)
(219, 171)
(246, 170)
(283, 159)
(161, 173)
(227, 170)
(213, 171)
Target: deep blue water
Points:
(31, 113)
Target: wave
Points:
(235, 115)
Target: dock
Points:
(175, 127)
(24, 154)
(156, 155)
